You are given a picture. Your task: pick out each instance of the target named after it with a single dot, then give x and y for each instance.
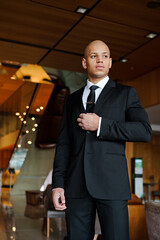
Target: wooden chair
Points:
(152, 210)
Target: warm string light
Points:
(14, 229)
(39, 109)
(29, 142)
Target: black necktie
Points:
(91, 99)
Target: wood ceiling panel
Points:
(20, 53)
(63, 61)
(121, 39)
(132, 13)
(148, 54)
(140, 62)
(68, 4)
(122, 72)
(32, 23)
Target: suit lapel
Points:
(79, 102)
(104, 96)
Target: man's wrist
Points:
(99, 126)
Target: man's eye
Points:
(105, 56)
(93, 56)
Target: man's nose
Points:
(99, 59)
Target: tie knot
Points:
(93, 87)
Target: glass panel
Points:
(19, 113)
(13, 111)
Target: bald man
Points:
(90, 171)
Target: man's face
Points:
(97, 61)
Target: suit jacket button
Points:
(88, 132)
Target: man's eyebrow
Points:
(98, 52)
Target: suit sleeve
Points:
(62, 152)
(135, 128)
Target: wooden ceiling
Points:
(52, 34)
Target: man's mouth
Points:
(99, 67)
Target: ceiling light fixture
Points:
(81, 10)
(13, 77)
(124, 60)
(151, 35)
(33, 73)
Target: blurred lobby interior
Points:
(41, 48)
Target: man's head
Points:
(97, 60)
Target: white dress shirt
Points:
(101, 84)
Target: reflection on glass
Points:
(18, 116)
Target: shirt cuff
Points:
(99, 126)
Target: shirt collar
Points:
(100, 84)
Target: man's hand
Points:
(59, 199)
(88, 121)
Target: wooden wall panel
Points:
(137, 222)
(148, 88)
(150, 153)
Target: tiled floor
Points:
(16, 223)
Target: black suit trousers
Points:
(113, 217)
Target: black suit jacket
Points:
(84, 160)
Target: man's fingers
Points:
(88, 121)
(62, 199)
(82, 115)
(59, 199)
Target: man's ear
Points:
(84, 64)
(110, 65)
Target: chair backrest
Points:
(152, 210)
